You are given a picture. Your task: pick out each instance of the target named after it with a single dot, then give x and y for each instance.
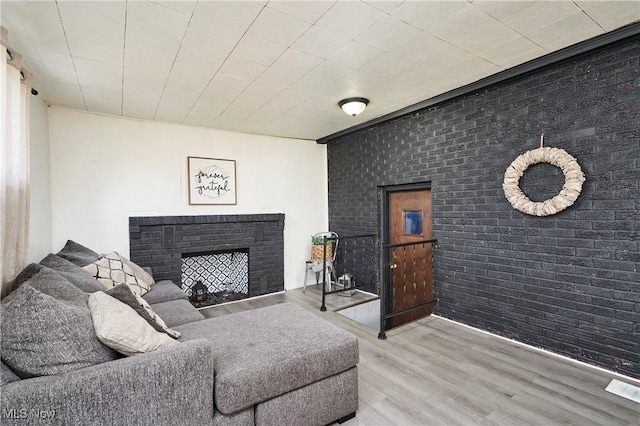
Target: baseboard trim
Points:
(564, 357)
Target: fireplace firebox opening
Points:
(215, 277)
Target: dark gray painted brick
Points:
(572, 280)
(261, 234)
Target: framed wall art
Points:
(211, 181)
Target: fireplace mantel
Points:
(160, 242)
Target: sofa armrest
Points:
(168, 386)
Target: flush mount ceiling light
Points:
(353, 106)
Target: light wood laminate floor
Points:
(437, 372)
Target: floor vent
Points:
(624, 390)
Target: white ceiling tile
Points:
(93, 26)
(500, 9)
(147, 85)
(224, 88)
(141, 95)
(295, 62)
(106, 101)
(184, 86)
(98, 75)
(242, 68)
(380, 70)
(153, 66)
(182, 6)
(230, 15)
(211, 38)
(172, 110)
(311, 83)
(203, 113)
(308, 11)
(537, 15)
(355, 55)
(611, 14)
(277, 27)
(423, 14)
(68, 95)
(388, 33)
(387, 6)
(513, 52)
(42, 18)
(350, 18)
(493, 31)
(133, 105)
(142, 42)
(421, 47)
(56, 63)
(471, 70)
(278, 78)
(556, 35)
(262, 117)
(82, 47)
(254, 97)
(258, 50)
(175, 96)
(200, 56)
(319, 42)
(49, 74)
(198, 62)
(329, 71)
(114, 11)
(441, 60)
(155, 19)
(230, 117)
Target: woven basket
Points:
(316, 252)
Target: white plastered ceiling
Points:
(280, 67)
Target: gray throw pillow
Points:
(43, 336)
(78, 254)
(123, 293)
(49, 282)
(29, 271)
(72, 272)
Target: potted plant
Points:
(317, 242)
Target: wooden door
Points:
(411, 271)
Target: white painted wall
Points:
(105, 169)
(40, 197)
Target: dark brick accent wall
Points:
(569, 282)
(160, 241)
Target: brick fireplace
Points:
(162, 242)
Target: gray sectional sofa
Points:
(278, 365)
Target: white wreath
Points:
(558, 157)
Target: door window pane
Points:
(413, 222)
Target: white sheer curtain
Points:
(15, 88)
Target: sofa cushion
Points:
(49, 282)
(44, 336)
(75, 274)
(177, 312)
(7, 375)
(111, 270)
(121, 328)
(78, 254)
(123, 293)
(263, 353)
(163, 291)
